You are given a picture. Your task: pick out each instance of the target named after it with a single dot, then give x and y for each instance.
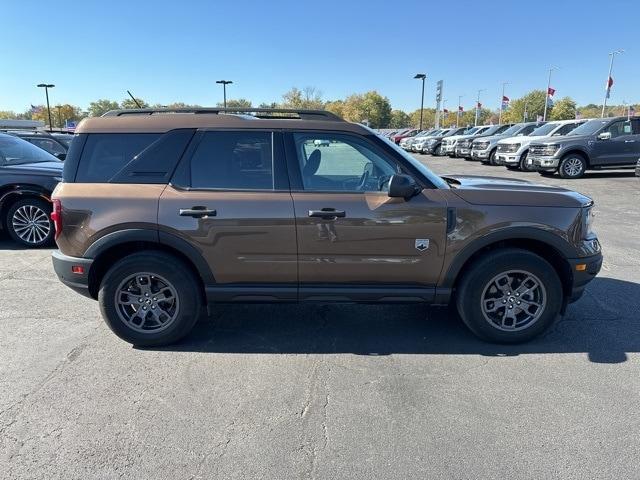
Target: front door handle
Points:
(629, 141)
(328, 213)
(198, 211)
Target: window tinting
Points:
(47, 144)
(233, 160)
(105, 154)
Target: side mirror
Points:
(402, 186)
(60, 156)
(604, 136)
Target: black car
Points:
(57, 144)
(28, 175)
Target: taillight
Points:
(56, 217)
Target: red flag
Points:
(551, 91)
(461, 108)
(479, 105)
(445, 110)
(610, 83)
(505, 99)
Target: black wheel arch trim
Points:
(119, 237)
(508, 234)
(29, 190)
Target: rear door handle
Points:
(629, 141)
(198, 211)
(328, 213)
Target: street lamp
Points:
(606, 95)
(546, 95)
(421, 76)
(46, 87)
(224, 89)
(502, 103)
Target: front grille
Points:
(480, 145)
(543, 150)
(508, 147)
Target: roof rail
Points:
(284, 113)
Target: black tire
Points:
(477, 282)
(524, 166)
(492, 158)
(572, 166)
(546, 174)
(438, 151)
(170, 270)
(38, 214)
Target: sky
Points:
(168, 51)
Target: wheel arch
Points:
(114, 246)
(579, 152)
(548, 246)
(9, 194)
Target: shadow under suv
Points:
(162, 213)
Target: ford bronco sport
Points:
(162, 213)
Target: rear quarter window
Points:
(105, 154)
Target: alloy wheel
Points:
(573, 167)
(513, 300)
(31, 224)
(146, 302)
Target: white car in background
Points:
(449, 144)
(512, 152)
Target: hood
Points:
(490, 138)
(521, 140)
(565, 139)
(502, 191)
(52, 169)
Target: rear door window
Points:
(105, 154)
(233, 161)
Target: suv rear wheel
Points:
(509, 296)
(28, 222)
(572, 166)
(150, 299)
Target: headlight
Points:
(587, 222)
(480, 145)
(550, 149)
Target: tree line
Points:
(370, 107)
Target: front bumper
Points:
(62, 265)
(510, 159)
(480, 154)
(584, 270)
(463, 152)
(544, 163)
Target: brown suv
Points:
(162, 213)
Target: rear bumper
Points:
(581, 278)
(62, 265)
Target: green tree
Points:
(309, 98)
(336, 107)
(7, 114)
(564, 109)
(238, 103)
(399, 119)
(370, 107)
(534, 102)
(428, 118)
(99, 107)
(128, 103)
(268, 105)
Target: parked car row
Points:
(566, 147)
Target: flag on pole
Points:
(461, 109)
(479, 106)
(608, 86)
(551, 91)
(505, 102)
(35, 109)
(632, 110)
(445, 111)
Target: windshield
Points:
(513, 129)
(589, 128)
(545, 130)
(471, 131)
(15, 151)
(66, 139)
(432, 177)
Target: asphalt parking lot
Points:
(328, 391)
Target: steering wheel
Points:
(362, 184)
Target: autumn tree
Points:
(309, 98)
(236, 103)
(399, 119)
(99, 107)
(564, 109)
(368, 107)
(128, 103)
(532, 101)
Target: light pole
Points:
(224, 89)
(458, 112)
(502, 103)
(546, 94)
(46, 87)
(524, 116)
(443, 109)
(421, 76)
(478, 106)
(608, 89)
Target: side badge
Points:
(422, 244)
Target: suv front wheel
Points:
(509, 296)
(572, 166)
(150, 299)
